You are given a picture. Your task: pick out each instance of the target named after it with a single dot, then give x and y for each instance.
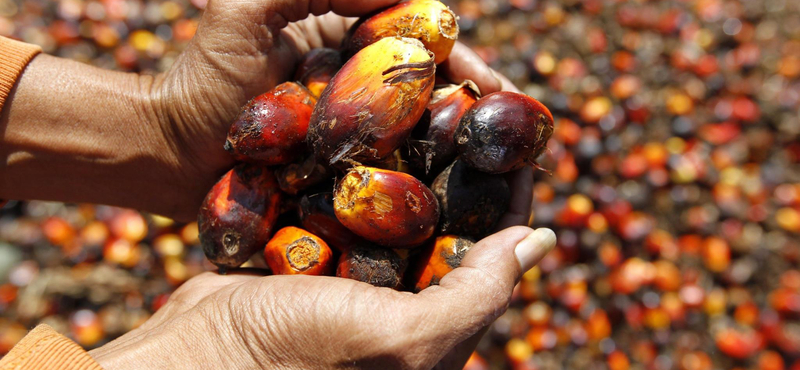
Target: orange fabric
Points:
(14, 56)
(44, 349)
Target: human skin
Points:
(76, 133)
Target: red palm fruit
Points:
(439, 258)
(271, 129)
(238, 214)
(318, 217)
(294, 251)
(370, 107)
(381, 267)
(470, 202)
(298, 176)
(503, 131)
(317, 69)
(431, 147)
(428, 21)
(390, 208)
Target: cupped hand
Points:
(244, 48)
(244, 320)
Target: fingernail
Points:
(534, 247)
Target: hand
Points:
(246, 321)
(244, 48)
(156, 143)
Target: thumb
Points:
(475, 294)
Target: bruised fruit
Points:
(503, 131)
(318, 68)
(298, 176)
(370, 107)
(390, 208)
(429, 21)
(431, 147)
(471, 202)
(381, 267)
(318, 217)
(294, 251)
(238, 214)
(438, 259)
(271, 129)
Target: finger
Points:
(465, 64)
(475, 294)
(521, 184)
(331, 29)
(286, 11)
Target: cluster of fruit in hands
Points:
(415, 170)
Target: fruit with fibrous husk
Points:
(437, 260)
(238, 214)
(431, 147)
(503, 132)
(381, 267)
(471, 202)
(271, 129)
(429, 21)
(294, 251)
(370, 107)
(390, 208)
(318, 68)
(318, 217)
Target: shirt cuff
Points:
(14, 56)
(44, 349)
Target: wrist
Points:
(77, 133)
(185, 341)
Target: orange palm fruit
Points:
(390, 208)
(294, 251)
(318, 217)
(238, 214)
(271, 129)
(317, 69)
(503, 131)
(431, 147)
(439, 258)
(381, 267)
(429, 21)
(370, 107)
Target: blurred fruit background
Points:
(674, 185)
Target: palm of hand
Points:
(246, 321)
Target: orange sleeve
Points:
(44, 349)
(14, 56)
